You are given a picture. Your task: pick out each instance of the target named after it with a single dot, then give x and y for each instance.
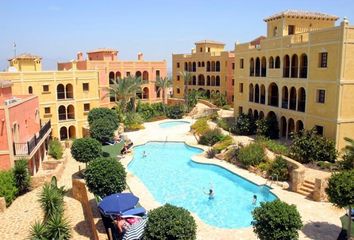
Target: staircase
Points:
(307, 188)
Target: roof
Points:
(102, 50)
(210, 42)
(301, 14)
(257, 41)
(26, 56)
(5, 83)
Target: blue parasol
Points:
(117, 203)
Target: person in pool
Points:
(254, 201)
(144, 154)
(211, 192)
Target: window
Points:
(47, 110)
(178, 65)
(319, 130)
(321, 96)
(233, 98)
(208, 49)
(178, 91)
(241, 63)
(233, 65)
(178, 78)
(157, 73)
(30, 90)
(291, 29)
(233, 82)
(45, 88)
(275, 31)
(323, 59)
(201, 49)
(85, 87)
(86, 107)
(128, 74)
(241, 87)
(240, 110)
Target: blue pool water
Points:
(170, 124)
(170, 175)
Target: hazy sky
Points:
(56, 30)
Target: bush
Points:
(211, 137)
(244, 125)
(264, 166)
(105, 176)
(279, 167)
(211, 153)
(86, 149)
(51, 200)
(218, 99)
(273, 146)
(325, 165)
(276, 220)
(251, 155)
(22, 176)
(101, 130)
(175, 111)
(150, 111)
(58, 227)
(8, 188)
(268, 127)
(308, 146)
(170, 222)
(55, 149)
(347, 163)
(134, 127)
(38, 231)
(200, 126)
(104, 113)
(224, 143)
(232, 154)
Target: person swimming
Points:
(211, 192)
(144, 154)
(254, 201)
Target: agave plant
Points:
(38, 231)
(22, 176)
(58, 227)
(51, 201)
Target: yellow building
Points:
(302, 72)
(65, 97)
(211, 67)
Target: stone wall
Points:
(175, 101)
(319, 194)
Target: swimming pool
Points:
(170, 124)
(172, 177)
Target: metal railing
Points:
(27, 147)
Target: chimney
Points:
(79, 56)
(140, 56)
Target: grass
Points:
(273, 146)
(344, 219)
(113, 150)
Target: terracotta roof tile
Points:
(299, 13)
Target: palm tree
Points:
(187, 76)
(162, 84)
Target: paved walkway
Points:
(15, 222)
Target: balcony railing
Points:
(27, 147)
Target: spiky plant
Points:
(22, 176)
(51, 201)
(58, 227)
(38, 231)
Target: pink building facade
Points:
(110, 69)
(21, 134)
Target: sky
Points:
(57, 30)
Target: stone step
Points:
(308, 185)
(306, 189)
(304, 193)
(309, 182)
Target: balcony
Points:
(26, 148)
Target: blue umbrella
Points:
(117, 203)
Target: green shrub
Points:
(132, 118)
(251, 155)
(8, 188)
(218, 99)
(226, 107)
(200, 126)
(38, 231)
(279, 168)
(101, 130)
(307, 146)
(264, 166)
(105, 176)
(86, 149)
(170, 222)
(245, 125)
(175, 111)
(211, 153)
(58, 227)
(325, 165)
(109, 115)
(347, 163)
(232, 154)
(211, 137)
(276, 220)
(268, 127)
(273, 146)
(224, 143)
(51, 200)
(55, 149)
(22, 175)
(150, 111)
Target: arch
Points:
(190, 67)
(283, 126)
(30, 90)
(62, 113)
(199, 64)
(271, 62)
(145, 93)
(217, 81)
(285, 97)
(263, 67)
(217, 92)
(261, 115)
(277, 62)
(208, 80)
(203, 65)
(301, 100)
(294, 66)
(291, 127)
(256, 94)
(145, 76)
(72, 132)
(255, 114)
(251, 67)
(70, 112)
(194, 67)
(158, 92)
(194, 80)
(69, 90)
(137, 74)
(299, 125)
(271, 114)
(250, 112)
(207, 93)
(63, 133)
(213, 66)
(212, 80)
(273, 95)
(118, 75)
(201, 80)
(185, 66)
(217, 66)
(258, 67)
(286, 66)
(303, 66)
(292, 104)
(250, 93)
(208, 66)
(275, 31)
(111, 77)
(263, 94)
(60, 91)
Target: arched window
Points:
(251, 67)
(250, 93)
(72, 132)
(190, 67)
(291, 127)
(285, 97)
(60, 91)
(286, 67)
(137, 74)
(271, 62)
(213, 66)
(294, 66)
(256, 94)
(194, 67)
(69, 91)
(63, 133)
(194, 80)
(71, 112)
(185, 66)
(208, 81)
(299, 125)
(217, 81)
(30, 90)
(273, 95)
(212, 80)
(292, 104)
(201, 81)
(62, 113)
(283, 127)
(275, 31)
(262, 94)
(277, 62)
(111, 77)
(217, 66)
(145, 76)
(303, 66)
(145, 93)
(258, 67)
(264, 67)
(208, 66)
(118, 76)
(301, 100)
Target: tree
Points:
(103, 113)
(348, 157)
(340, 192)
(244, 125)
(187, 76)
(276, 220)
(101, 130)
(22, 176)
(170, 222)
(105, 176)
(86, 149)
(162, 84)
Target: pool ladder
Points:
(271, 179)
